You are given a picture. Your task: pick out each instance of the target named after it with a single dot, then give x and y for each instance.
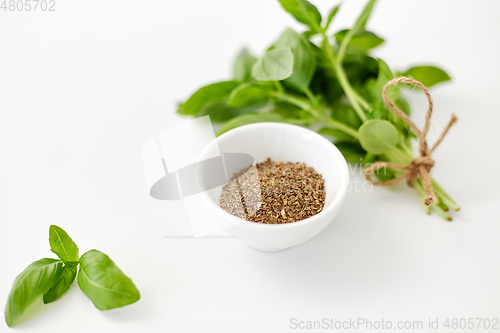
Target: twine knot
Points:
(421, 166)
(414, 173)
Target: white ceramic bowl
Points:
(286, 143)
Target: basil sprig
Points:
(329, 82)
(98, 277)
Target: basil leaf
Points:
(361, 41)
(248, 94)
(215, 92)
(304, 61)
(33, 282)
(331, 15)
(275, 65)
(346, 115)
(364, 16)
(68, 275)
(104, 283)
(428, 75)
(251, 118)
(62, 245)
(304, 12)
(378, 136)
(352, 151)
(384, 75)
(337, 134)
(242, 68)
(219, 112)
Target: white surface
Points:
(83, 88)
(183, 144)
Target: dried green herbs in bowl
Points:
(282, 193)
(322, 168)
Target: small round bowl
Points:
(285, 143)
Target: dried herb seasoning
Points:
(274, 193)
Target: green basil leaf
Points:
(362, 40)
(403, 105)
(215, 92)
(384, 174)
(62, 245)
(352, 151)
(428, 75)
(336, 134)
(331, 15)
(378, 136)
(364, 16)
(248, 94)
(384, 75)
(324, 83)
(304, 12)
(309, 33)
(304, 61)
(28, 286)
(220, 112)
(242, 68)
(68, 275)
(360, 68)
(251, 118)
(287, 110)
(275, 65)
(104, 283)
(346, 115)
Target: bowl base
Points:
(268, 250)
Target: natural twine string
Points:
(422, 165)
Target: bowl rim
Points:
(343, 176)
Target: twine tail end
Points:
(429, 200)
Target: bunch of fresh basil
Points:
(327, 82)
(98, 277)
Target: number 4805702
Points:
(28, 5)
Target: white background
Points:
(84, 87)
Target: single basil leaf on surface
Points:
(242, 68)
(251, 118)
(104, 283)
(68, 275)
(248, 94)
(378, 136)
(62, 245)
(304, 61)
(331, 15)
(428, 75)
(28, 286)
(352, 151)
(275, 65)
(304, 12)
(215, 92)
(362, 40)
